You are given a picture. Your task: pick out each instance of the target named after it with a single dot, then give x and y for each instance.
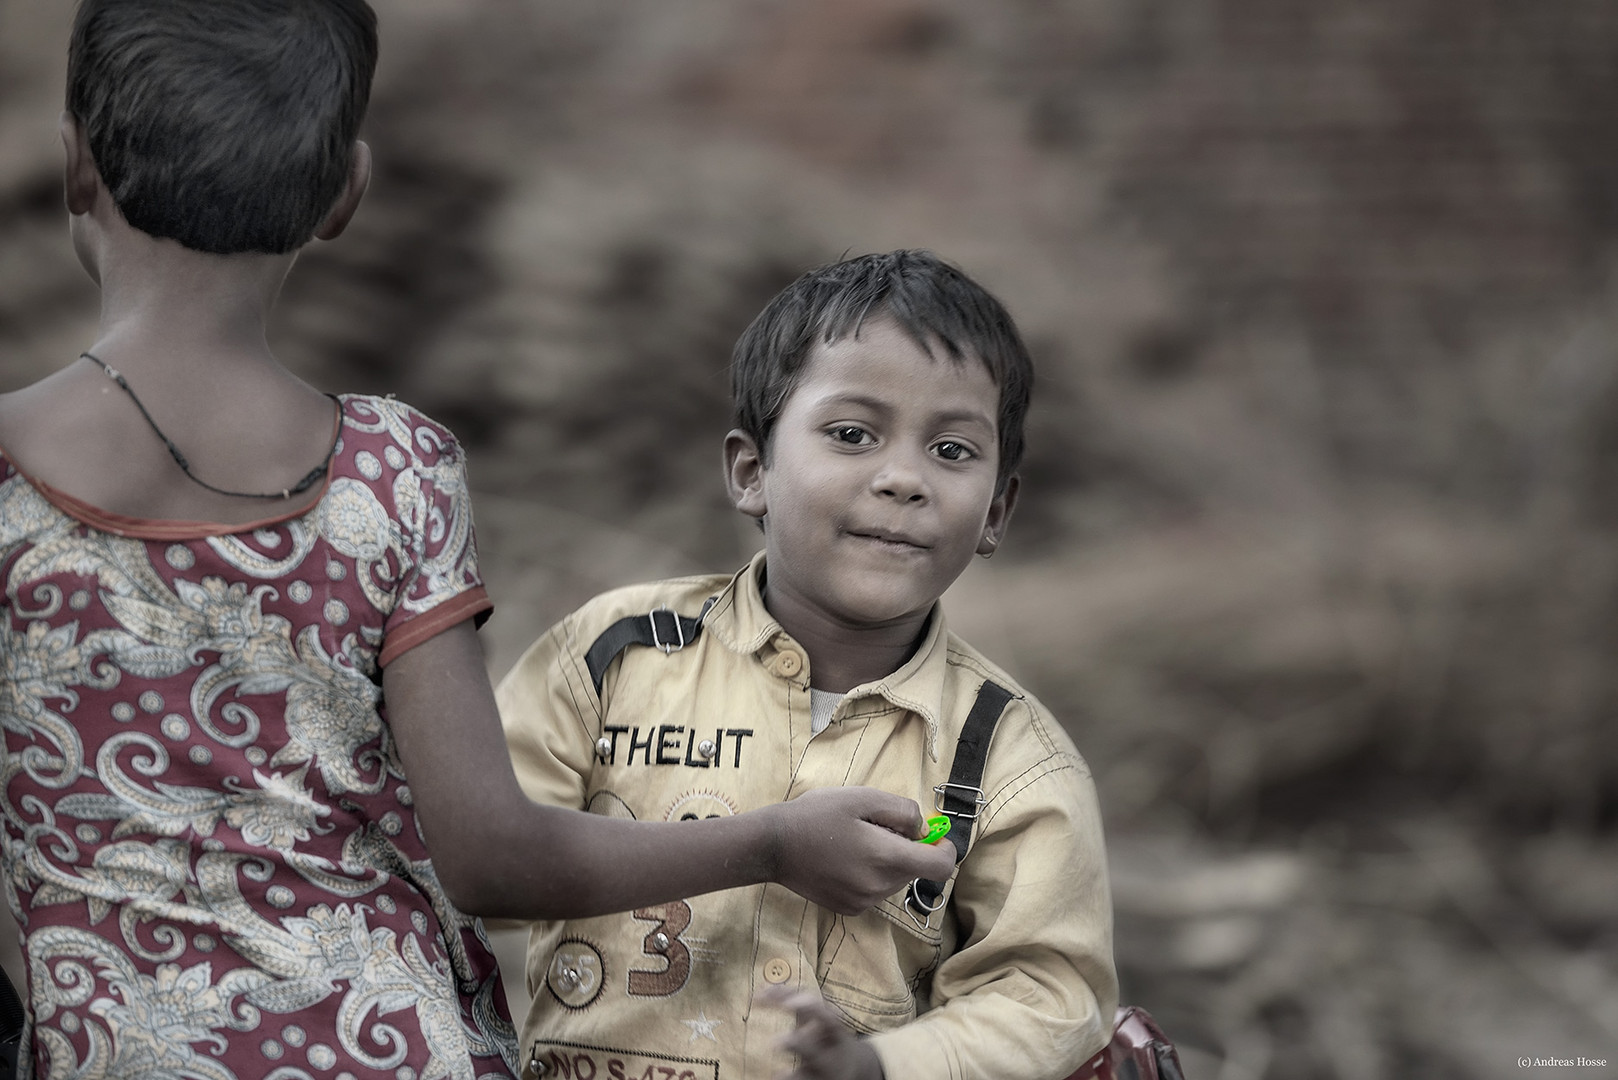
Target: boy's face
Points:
(881, 480)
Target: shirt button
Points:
(777, 971)
(788, 664)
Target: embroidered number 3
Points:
(663, 943)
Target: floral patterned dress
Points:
(208, 839)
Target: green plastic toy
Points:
(937, 829)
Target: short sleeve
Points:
(440, 586)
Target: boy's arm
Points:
(548, 719)
(1031, 990)
(497, 853)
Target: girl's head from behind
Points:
(225, 125)
(935, 304)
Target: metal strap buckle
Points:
(679, 631)
(975, 794)
(914, 903)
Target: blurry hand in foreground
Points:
(826, 1048)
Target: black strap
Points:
(962, 794)
(661, 629)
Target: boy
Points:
(880, 406)
(252, 782)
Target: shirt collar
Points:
(739, 619)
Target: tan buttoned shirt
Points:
(1012, 978)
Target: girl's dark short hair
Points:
(226, 125)
(932, 301)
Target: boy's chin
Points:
(868, 610)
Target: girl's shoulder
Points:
(403, 432)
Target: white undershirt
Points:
(822, 703)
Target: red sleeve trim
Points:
(404, 636)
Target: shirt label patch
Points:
(573, 1061)
(576, 973)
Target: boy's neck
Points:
(842, 656)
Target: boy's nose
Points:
(897, 479)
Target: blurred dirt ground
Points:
(1317, 550)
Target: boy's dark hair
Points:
(226, 125)
(931, 300)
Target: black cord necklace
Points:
(313, 477)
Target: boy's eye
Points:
(953, 451)
(850, 434)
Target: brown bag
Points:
(1139, 1051)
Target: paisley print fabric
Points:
(207, 837)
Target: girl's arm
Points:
(499, 854)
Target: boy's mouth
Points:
(891, 539)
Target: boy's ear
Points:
(994, 526)
(359, 178)
(744, 473)
(80, 178)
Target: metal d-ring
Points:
(914, 902)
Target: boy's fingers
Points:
(807, 1040)
(775, 996)
(780, 997)
(814, 1024)
(808, 1010)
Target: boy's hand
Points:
(826, 1049)
(849, 848)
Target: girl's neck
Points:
(189, 359)
(162, 301)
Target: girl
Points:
(253, 773)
